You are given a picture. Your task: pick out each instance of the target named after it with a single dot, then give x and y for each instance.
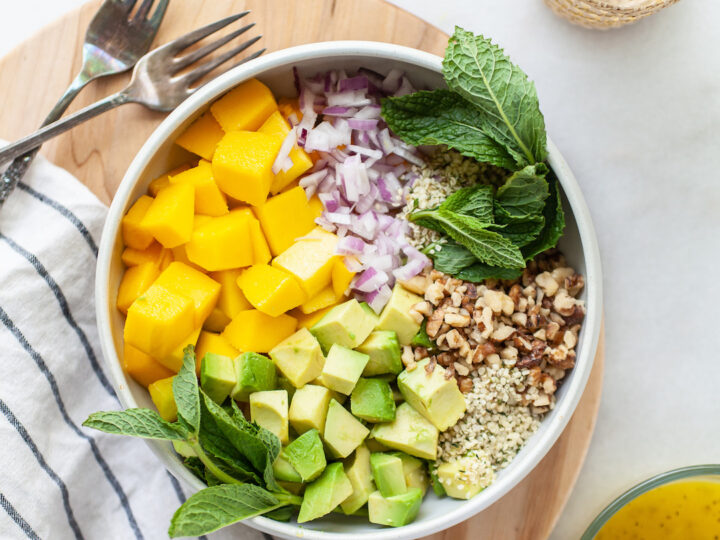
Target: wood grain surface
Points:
(36, 73)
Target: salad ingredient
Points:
(133, 234)
(396, 316)
(414, 471)
(135, 281)
(142, 367)
(217, 376)
(325, 494)
(323, 299)
(231, 299)
(253, 330)
(357, 469)
(410, 432)
(347, 325)
(271, 290)
(260, 248)
(253, 373)
(383, 348)
(201, 137)
(203, 291)
(269, 409)
(161, 393)
(372, 401)
(342, 369)
(214, 343)
(154, 253)
(309, 408)
(301, 162)
(216, 321)
(174, 359)
(284, 471)
(245, 107)
(221, 243)
(209, 200)
(387, 471)
(394, 511)
(306, 455)
(431, 393)
(343, 432)
(169, 218)
(163, 181)
(465, 477)
(298, 357)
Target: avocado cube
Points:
(388, 474)
(296, 488)
(383, 348)
(217, 376)
(410, 432)
(436, 397)
(325, 493)
(343, 432)
(284, 384)
(414, 470)
(342, 369)
(306, 455)
(375, 446)
(347, 324)
(284, 471)
(254, 373)
(396, 315)
(465, 477)
(299, 357)
(394, 511)
(309, 408)
(270, 410)
(372, 400)
(357, 469)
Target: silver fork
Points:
(114, 42)
(156, 82)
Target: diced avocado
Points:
(255, 373)
(309, 408)
(295, 488)
(394, 511)
(372, 400)
(343, 432)
(465, 477)
(436, 397)
(375, 446)
(438, 489)
(217, 376)
(410, 432)
(284, 471)
(298, 357)
(337, 396)
(325, 494)
(414, 470)
(396, 315)
(383, 348)
(347, 324)
(306, 455)
(397, 395)
(183, 449)
(284, 384)
(342, 369)
(357, 469)
(388, 474)
(270, 410)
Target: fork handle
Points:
(26, 144)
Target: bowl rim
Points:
(542, 442)
(662, 479)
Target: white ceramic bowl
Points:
(159, 154)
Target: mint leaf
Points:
(421, 339)
(479, 71)
(479, 272)
(185, 390)
(219, 506)
(444, 117)
(143, 423)
(450, 257)
(554, 223)
(281, 514)
(475, 201)
(195, 466)
(523, 195)
(522, 232)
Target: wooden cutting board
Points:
(37, 72)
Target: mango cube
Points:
(163, 181)
(222, 243)
(242, 165)
(245, 107)
(261, 250)
(270, 290)
(142, 367)
(153, 254)
(179, 255)
(301, 162)
(174, 360)
(209, 342)
(231, 299)
(341, 278)
(255, 331)
(170, 216)
(323, 299)
(209, 200)
(274, 215)
(216, 321)
(158, 321)
(179, 278)
(161, 393)
(201, 137)
(134, 235)
(136, 281)
(310, 260)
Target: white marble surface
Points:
(636, 112)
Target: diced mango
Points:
(179, 278)
(161, 393)
(306, 320)
(210, 342)
(284, 218)
(134, 235)
(136, 281)
(277, 125)
(323, 299)
(341, 277)
(261, 250)
(158, 321)
(174, 360)
(288, 107)
(209, 200)
(310, 260)
(245, 107)
(231, 300)
(271, 290)
(222, 243)
(166, 257)
(316, 207)
(201, 137)
(216, 321)
(242, 165)
(164, 181)
(180, 255)
(253, 330)
(170, 216)
(142, 367)
(153, 253)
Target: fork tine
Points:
(127, 4)
(207, 67)
(185, 41)
(157, 17)
(143, 10)
(194, 56)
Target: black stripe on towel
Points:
(17, 518)
(42, 366)
(65, 212)
(43, 464)
(65, 308)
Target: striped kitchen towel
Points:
(58, 479)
